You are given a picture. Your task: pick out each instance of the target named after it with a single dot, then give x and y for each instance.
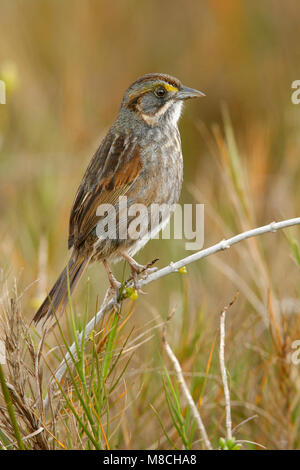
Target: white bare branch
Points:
(171, 268)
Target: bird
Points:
(139, 159)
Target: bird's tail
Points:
(57, 298)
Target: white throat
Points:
(175, 112)
(170, 111)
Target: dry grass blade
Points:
(23, 381)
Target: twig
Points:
(171, 268)
(29, 436)
(244, 422)
(185, 390)
(243, 441)
(222, 245)
(223, 368)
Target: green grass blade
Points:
(10, 409)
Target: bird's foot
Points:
(115, 286)
(137, 269)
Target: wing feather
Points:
(111, 173)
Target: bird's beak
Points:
(186, 93)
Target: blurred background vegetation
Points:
(66, 66)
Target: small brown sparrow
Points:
(140, 159)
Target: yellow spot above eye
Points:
(169, 87)
(148, 88)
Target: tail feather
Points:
(58, 296)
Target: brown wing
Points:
(111, 173)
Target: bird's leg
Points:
(136, 269)
(115, 285)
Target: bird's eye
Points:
(160, 92)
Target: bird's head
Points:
(157, 96)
